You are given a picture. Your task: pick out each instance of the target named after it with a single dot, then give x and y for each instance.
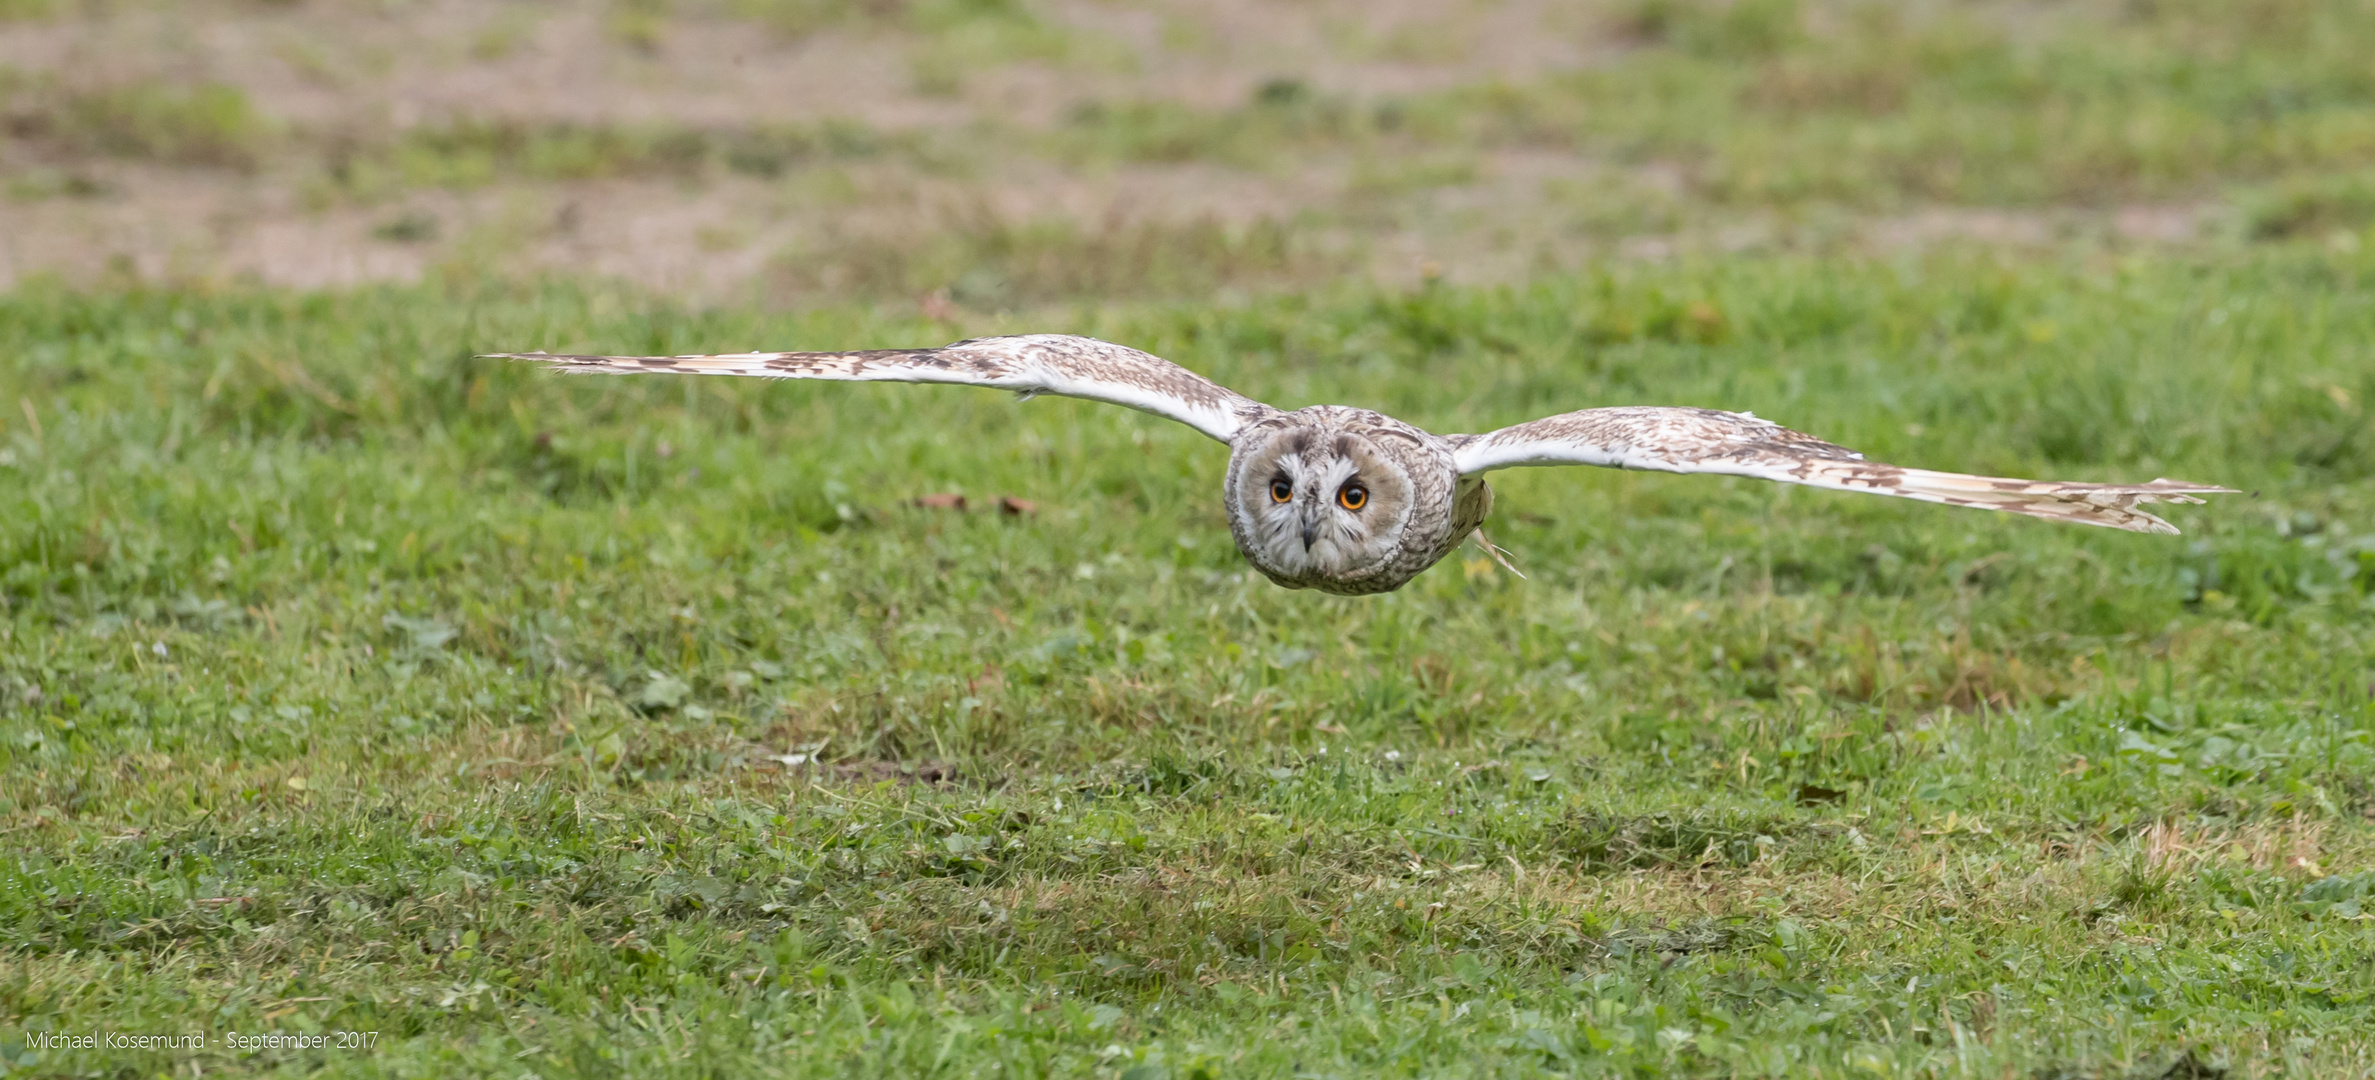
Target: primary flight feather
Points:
(1351, 501)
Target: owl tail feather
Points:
(1499, 555)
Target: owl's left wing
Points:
(1029, 364)
(1680, 440)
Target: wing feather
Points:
(1028, 364)
(1679, 440)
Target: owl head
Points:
(1347, 503)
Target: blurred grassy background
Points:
(1004, 153)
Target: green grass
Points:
(470, 153)
(1781, 106)
(1773, 103)
(986, 264)
(646, 727)
(207, 124)
(1752, 107)
(641, 727)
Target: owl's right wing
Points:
(1030, 364)
(1738, 444)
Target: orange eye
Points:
(1281, 490)
(1352, 496)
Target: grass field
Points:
(643, 727)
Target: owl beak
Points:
(1310, 533)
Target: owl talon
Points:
(1499, 555)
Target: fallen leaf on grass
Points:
(927, 772)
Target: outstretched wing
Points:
(1030, 365)
(1739, 444)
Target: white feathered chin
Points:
(1281, 534)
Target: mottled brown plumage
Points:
(1350, 501)
(1029, 364)
(1740, 444)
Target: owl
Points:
(1354, 502)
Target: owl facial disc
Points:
(1340, 500)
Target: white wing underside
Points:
(1676, 440)
(1030, 364)
(1679, 440)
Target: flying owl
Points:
(1354, 502)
